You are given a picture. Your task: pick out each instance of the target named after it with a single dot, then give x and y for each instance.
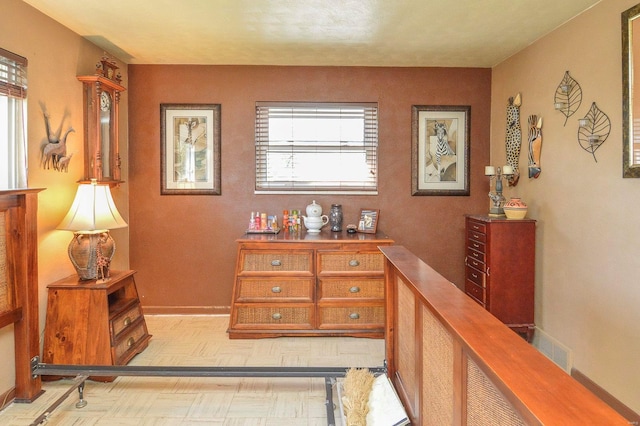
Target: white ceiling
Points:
(458, 33)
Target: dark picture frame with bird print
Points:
(190, 149)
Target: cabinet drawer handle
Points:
(476, 245)
(276, 316)
(276, 289)
(354, 316)
(354, 262)
(276, 262)
(130, 342)
(126, 322)
(354, 289)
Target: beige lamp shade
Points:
(93, 209)
(90, 217)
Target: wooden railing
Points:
(453, 363)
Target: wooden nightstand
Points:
(94, 323)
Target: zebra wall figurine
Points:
(535, 145)
(513, 139)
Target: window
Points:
(316, 148)
(13, 125)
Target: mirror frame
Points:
(629, 170)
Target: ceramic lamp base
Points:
(86, 250)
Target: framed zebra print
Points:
(440, 150)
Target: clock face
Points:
(105, 101)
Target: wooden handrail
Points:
(517, 380)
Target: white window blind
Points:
(316, 147)
(13, 75)
(13, 120)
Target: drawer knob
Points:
(354, 316)
(130, 342)
(276, 316)
(354, 289)
(276, 289)
(354, 262)
(127, 322)
(276, 262)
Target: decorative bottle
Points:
(335, 217)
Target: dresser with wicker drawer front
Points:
(297, 284)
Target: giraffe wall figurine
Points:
(513, 139)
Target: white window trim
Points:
(368, 142)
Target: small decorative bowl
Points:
(515, 208)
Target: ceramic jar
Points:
(515, 208)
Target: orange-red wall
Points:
(183, 247)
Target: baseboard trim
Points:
(7, 398)
(613, 402)
(186, 310)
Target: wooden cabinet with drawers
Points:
(94, 323)
(500, 269)
(325, 284)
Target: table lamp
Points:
(92, 214)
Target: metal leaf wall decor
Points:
(593, 130)
(568, 96)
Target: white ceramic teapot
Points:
(314, 220)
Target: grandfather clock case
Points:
(101, 112)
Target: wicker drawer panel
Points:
(350, 262)
(298, 317)
(277, 261)
(129, 340)
(372, 288)
(124, 320)
(351, 317)
(258, 289)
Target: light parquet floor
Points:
(203, 341)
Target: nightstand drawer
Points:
(283, 290)
(125, 319)
(330, 288)
(351, 316)
(265, 261)
(290, 317)
(350, 262)
(129, 341)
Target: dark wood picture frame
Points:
(368, 222)
(440, 149)
(190, 149)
